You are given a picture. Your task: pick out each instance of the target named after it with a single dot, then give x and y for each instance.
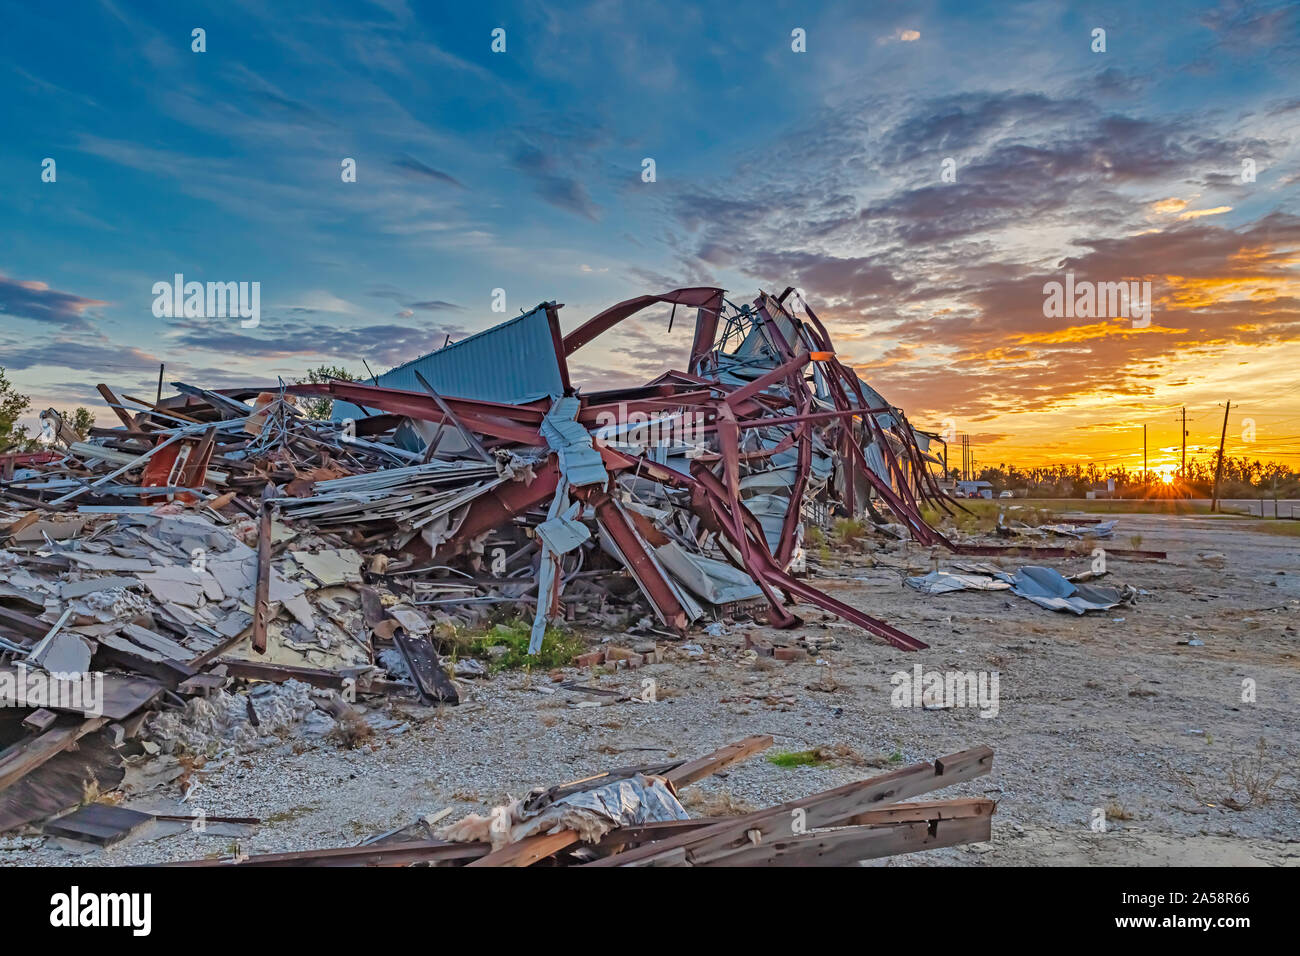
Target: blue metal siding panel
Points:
(513, 362)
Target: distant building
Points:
(975, 489)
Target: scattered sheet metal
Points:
(941, 582)
(1047, 588)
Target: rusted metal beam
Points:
(707, 300)
(643, 568)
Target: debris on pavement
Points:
(220, 565)
(631, 817)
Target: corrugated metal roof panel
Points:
(513, 362)
(580, 462)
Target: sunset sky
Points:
(822, 169)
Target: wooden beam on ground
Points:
(394, 854)
(720, 759)
(827, 809)
(848, 845)
(926, 810)
(529, 850)
(26, 755)
(279, 673)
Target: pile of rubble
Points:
(631, 816)
(223, 536)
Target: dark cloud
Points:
(90, 355)
(38, 302)
(410, 304)
(556, 187)
(437, 305)
(384, 344)
(1246, 25)
(416, 169)
(285, 108)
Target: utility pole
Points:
(1182, 472)
(158, 400)
(1146, 475)
(1218, 470)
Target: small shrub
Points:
(794, 758)
(850, 530)
(559, 647)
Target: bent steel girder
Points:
(706, 299)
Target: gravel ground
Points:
(1112, 711)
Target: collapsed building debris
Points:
(631, 816)
(221, 537)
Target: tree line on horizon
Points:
(1242, 477)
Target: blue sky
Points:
(522, 170)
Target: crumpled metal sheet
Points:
(1103, 529)
(941, 582)
(630, 801)
(579, 461)
(1048, 588)
(564, 533)
(715, 581)
(627, 801)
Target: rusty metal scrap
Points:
(264, 545)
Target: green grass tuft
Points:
(559, 647)
(795, 758)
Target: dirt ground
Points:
(1112, 712)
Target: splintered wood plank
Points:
(22, 623)
(279, 673)
(849, 845)
(529, 850)
(720, 759)
(116, 405)
(396, 854)
(827, 809)
(647, 832)
(926, 810)
(24, 757)
(963, 762)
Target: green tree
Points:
(12, 406)
(81, 421)
(319, 407)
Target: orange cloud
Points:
(1198, 213)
